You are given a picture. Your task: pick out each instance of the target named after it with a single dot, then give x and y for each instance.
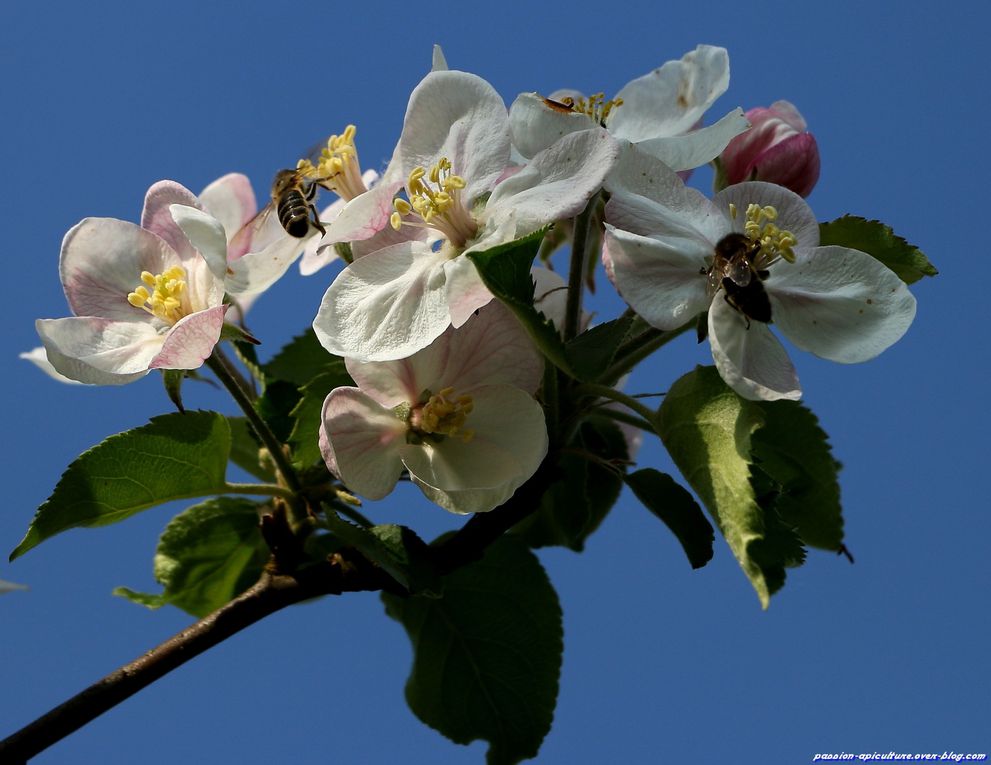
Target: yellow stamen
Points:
(437, 202)
(595, 106)
(760, 228)
(444, 415)
(337, 168)
(164, 301)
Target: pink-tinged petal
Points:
(537, 123)
(787, 111)
(509, 443)
(258, 270)
(157, 218)
(459, 116)
(99, 351)
(385, 306)
(793, 163)
(557, 183)
(191, 340)
(364, 216)
(550, 294)
(661, 278)
(206, 234)
(316, 255)
(39, 357)
(697, 147)
(667, 205)
(101, 263)
(840, 304)
(466, 292)
(231, 200)
(750, 360)
(794, 214)
(360, 442)
(672, 99)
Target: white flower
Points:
(748, 256)
(455, 156)
(458, 415)
(143, 297)
(10, 587)
(658, 112)
(39, 358)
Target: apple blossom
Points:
(458, 415)
(658, 112)
(142, 296)
(463, 188)
(668, 246)
(777, 149)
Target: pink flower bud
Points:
(777, 149)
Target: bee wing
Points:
(739, 271)
(241, 241)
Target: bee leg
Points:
(315, 219)
(732, 304)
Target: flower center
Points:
(337, 168)
(443, 415)
(771, 242)
(595, 106)
(435, 198)
(164, 298)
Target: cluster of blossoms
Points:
(447, 381)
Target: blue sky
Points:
(662, 663)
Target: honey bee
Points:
(734, 269)
(292, 198)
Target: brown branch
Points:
(271, 593)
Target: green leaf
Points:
(275, 406)
(505, 270)
(487, 655)
(245, 447)
(672, 503)
(593, 351)
(172, 379)
(175, 456)
(578, 501)
(304, 438)
(879, 241)
(206, 556)
(302, 359)
(707, 429)
(396, 549)
(793, 452)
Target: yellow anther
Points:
(444, 415)
(732, 211)
(774, 242)
(164, 300)
(595, 106)
(434, 195)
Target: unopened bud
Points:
(777, 149)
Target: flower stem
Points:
(576, 274)
(604, 391)
(220, 367)
(259, 489)
(625, 417)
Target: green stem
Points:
(576, 274)
(349, 512)
(633, 352)
(604, 391)
(625, 417)
(259, 489)
(550, 393)
(241, 380)
(219, 366)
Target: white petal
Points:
(550, 294)
(537, 125)
(231, 200)
(794, 214)
(751, 361)
(316, 255)
(459, 116)
(206, 234)
(101, 263)
(509, 444)
(39, 358)
(99, 351)
(191, 340)
(360, 442)
(155, 216)
(364, 216)
(557, 183)
(671, 100)
(697, 147)
(438, 62)
(256, 271)
(466, 292)
(661, 278)
(840, 304)
(385, 306)
(10, 586)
